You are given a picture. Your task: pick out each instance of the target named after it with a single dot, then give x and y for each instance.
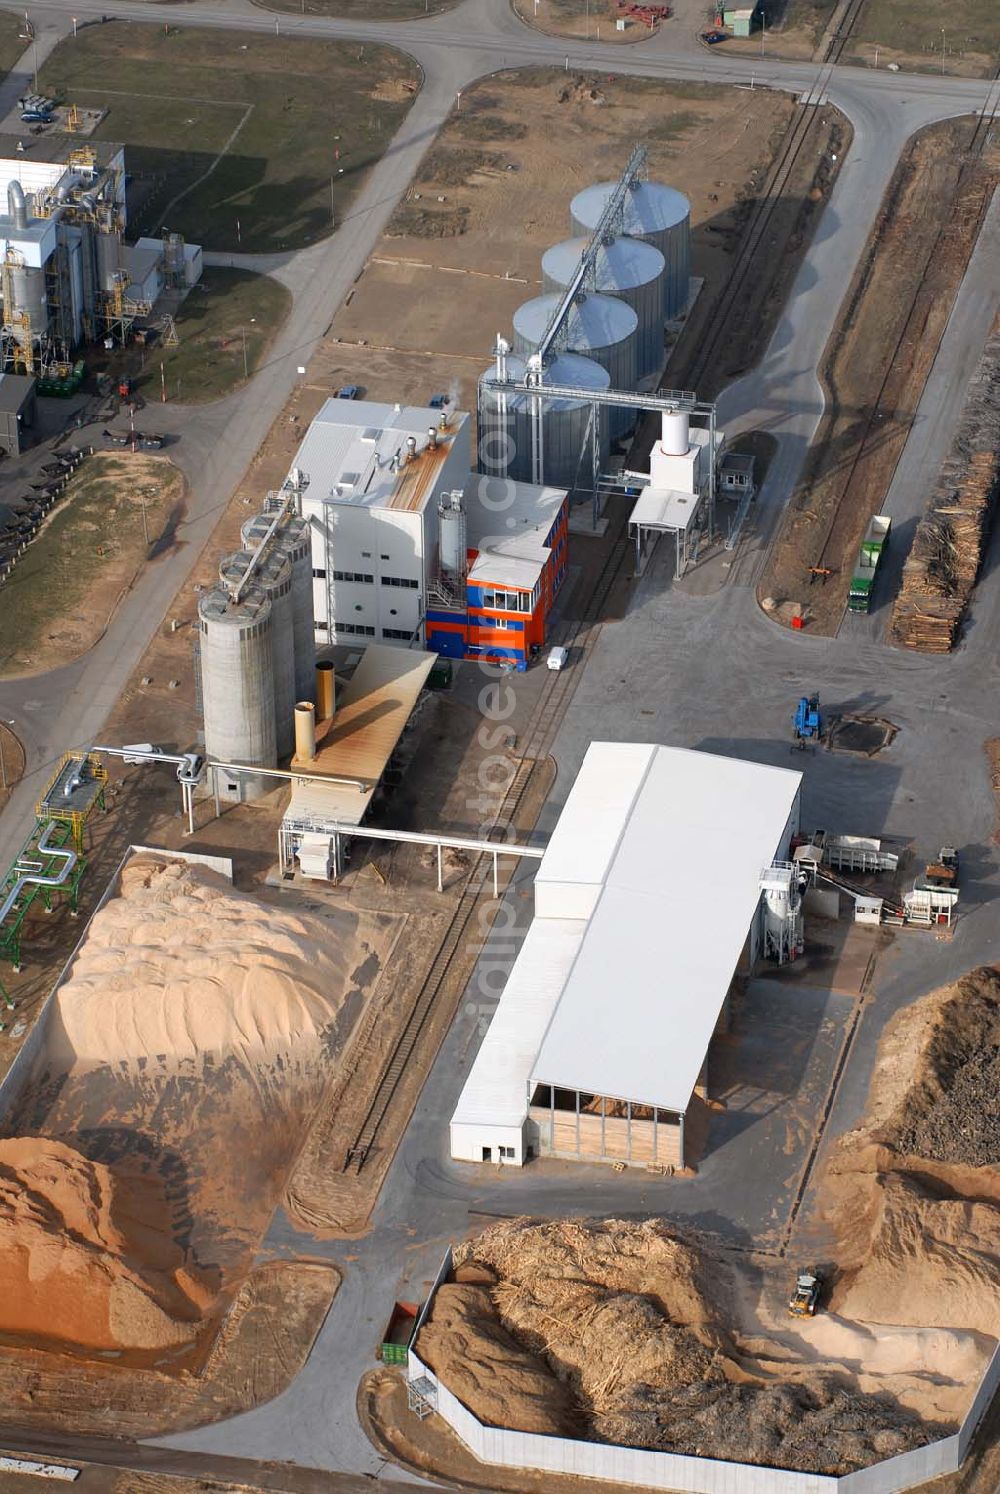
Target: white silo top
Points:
(650, 207)
(622, 264)
(571, 370)
(593, 322)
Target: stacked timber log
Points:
(950, 541)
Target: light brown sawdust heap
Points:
(914, 1192)
(84, 1261)
(924, 1258)
(633, 1322)
(181, 965)
(503, 1383)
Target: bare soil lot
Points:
(464, 248)
(86, 554)
(593, 22)
(876, 364)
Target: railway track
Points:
(764, 208)
(579, 634)
(832, 548)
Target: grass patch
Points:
(58, 598)
(969, 26)
(207, 362)
(12, 44)
(276, 109)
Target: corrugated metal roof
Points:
(355, 451)
(649, 208)
(497, 508)
(664, 508)
(593, 322)
(620, 264)
(680, 889)
(496, 1091)
(371, 713)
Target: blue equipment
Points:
(808, 721)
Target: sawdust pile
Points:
(914, 1193)
(633, 1324)
(180, 965)
(87, 1258)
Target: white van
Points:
(558, 657)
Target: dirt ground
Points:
(88, 552)
(596, 22)
(464, 249)
(11, 762)
(876, 364)
(266, 1339)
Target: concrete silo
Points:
(237, 682)
(656, 213)
(505, 423)
(628, 269)
(274, 578)
(294, 540)
(598, 327)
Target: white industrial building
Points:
(375, 473)
(649, 899)
(67, 274)
(395, 511)
(679, 483)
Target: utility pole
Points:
(145, 526)
(763, 30)
(942, 51)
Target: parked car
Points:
(437, 402)
(558, 657)
(712, 38)
(349, 391)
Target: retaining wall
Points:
(688, 1475)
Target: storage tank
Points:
(656, 213)
(452, 538)
(505, 423)
(626, 268)
(294, 540)
(27, 298)
(598, 327)
(274, 577)
(237, 681)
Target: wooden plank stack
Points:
(940, 574)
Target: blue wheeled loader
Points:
(808, 727)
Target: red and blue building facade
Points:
(510, 591)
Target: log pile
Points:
(950, 541)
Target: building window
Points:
(506, 1154)
(366, 555)
(356, 630)
(399, 580)
(322, 627)
(359, 576)
(405, 633)
(319, 575)
(383, 557)
(507, 601)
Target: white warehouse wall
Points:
(468, 1143)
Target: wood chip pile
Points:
(951, 538)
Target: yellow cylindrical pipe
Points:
(325, 693)
(305, 731)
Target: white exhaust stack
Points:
(676, 432)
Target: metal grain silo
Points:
(598, 327)
(237, 681)
(274, 577)
(294, 540)
(505, 424)
(626, 268)
(656, 213)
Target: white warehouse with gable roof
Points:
(602, 1034)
